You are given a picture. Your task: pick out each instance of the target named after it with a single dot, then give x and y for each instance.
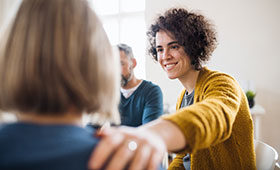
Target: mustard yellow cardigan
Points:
(218, 126)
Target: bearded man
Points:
(141, 100)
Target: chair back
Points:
(266, 156)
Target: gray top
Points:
(187, 101)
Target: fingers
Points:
(121, 158)
(147, 157)
(141, 158)
(105, 148)
(156, 159)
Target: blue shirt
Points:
(27, 146)
(143, 106)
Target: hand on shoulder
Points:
(126, 147)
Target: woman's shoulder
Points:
(211, 76)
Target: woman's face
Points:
(172, 56)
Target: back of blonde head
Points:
(57, 56)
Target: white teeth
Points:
(169, 65)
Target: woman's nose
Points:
(166, 55)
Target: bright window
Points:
(124, 22)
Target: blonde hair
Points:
(57, 56)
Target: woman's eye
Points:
(174, 47)
(159, 50)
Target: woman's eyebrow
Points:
(173, 42)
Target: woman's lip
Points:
(169, 66)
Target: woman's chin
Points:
(172, 77)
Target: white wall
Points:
(7, 11)
(249, 43)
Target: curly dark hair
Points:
(192, 31)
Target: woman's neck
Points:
(189, 80)
(70, 118)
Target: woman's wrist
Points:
(169, 132)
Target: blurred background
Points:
(249, 44)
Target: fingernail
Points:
(99, 133)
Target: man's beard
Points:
(126, 79)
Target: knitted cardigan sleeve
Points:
(209, 120)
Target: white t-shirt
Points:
(128, 92)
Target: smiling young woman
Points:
(212, 127)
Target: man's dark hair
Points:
(192, 31)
